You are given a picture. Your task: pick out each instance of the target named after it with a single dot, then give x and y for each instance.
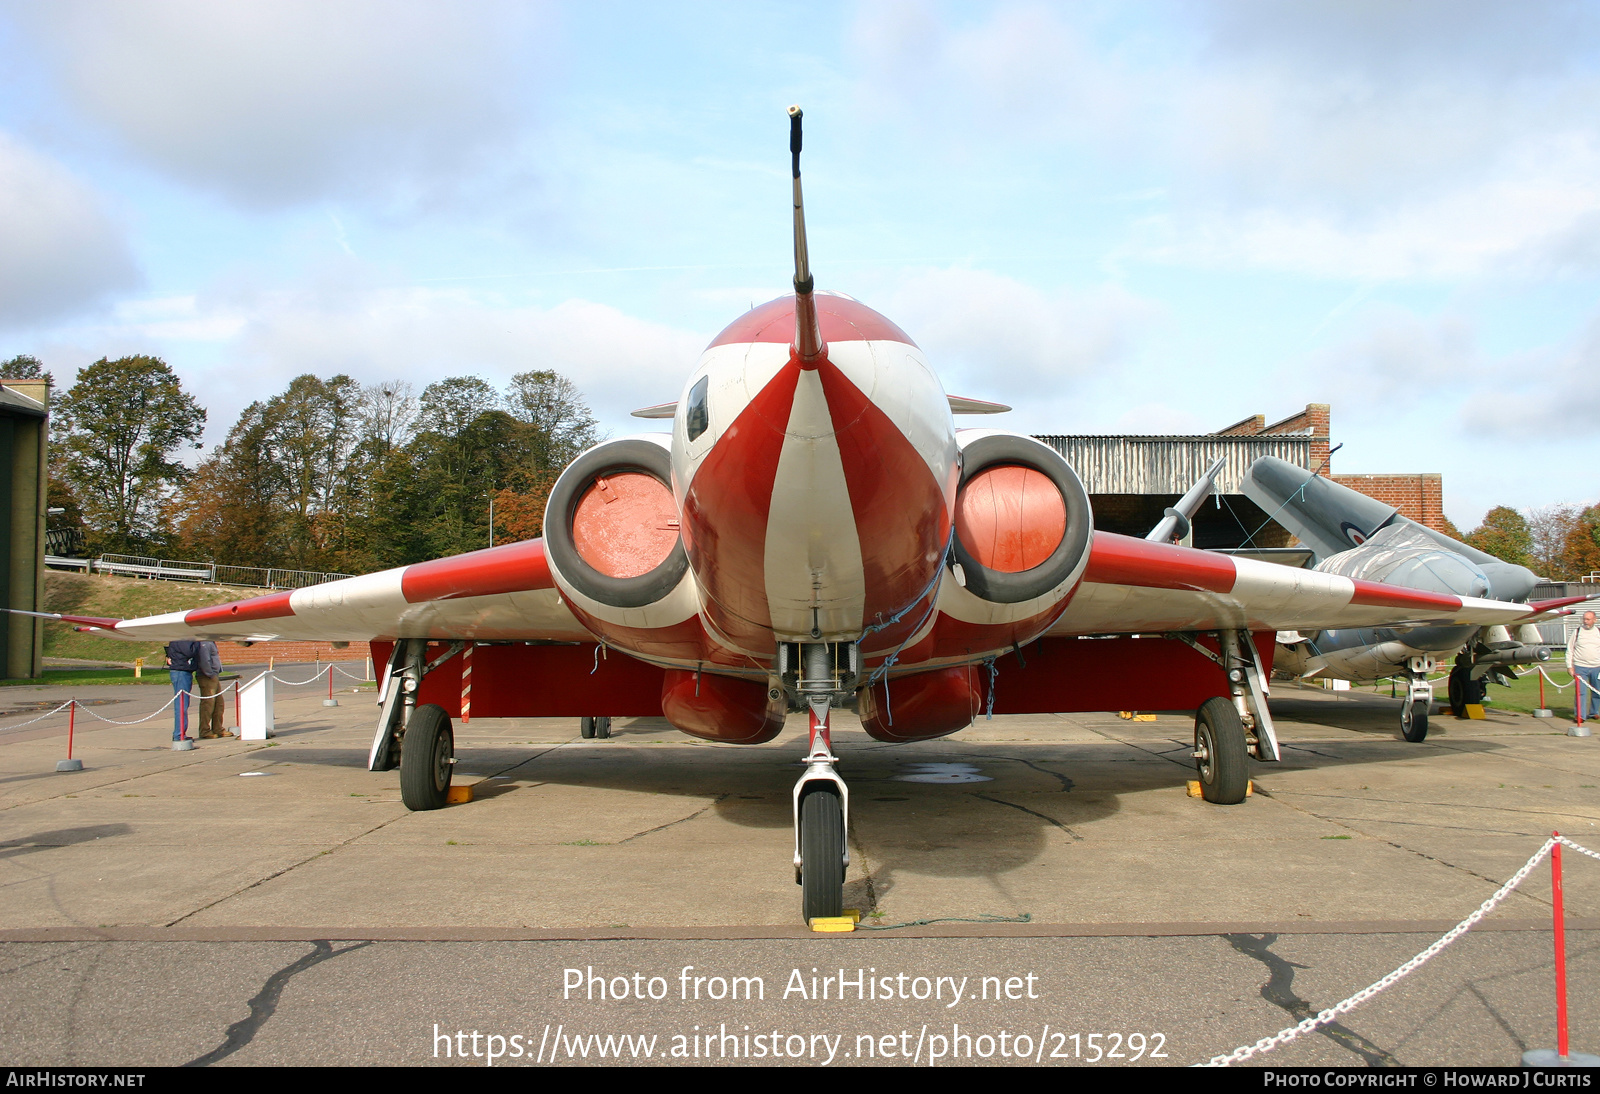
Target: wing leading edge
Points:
(1133, 586)
(499, 593)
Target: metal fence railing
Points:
(210, 573)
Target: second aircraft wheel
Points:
(1414, 719)
(821, 854)
(1221, 754)
(426, 750)
(589, 728)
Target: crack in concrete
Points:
(1279, 991)
(720, 798)
(1066, 783)
(1400, 846)
(265, 1002)
(279, 873)
(1032, 813)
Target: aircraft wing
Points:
(1133, 586)
(500, 593)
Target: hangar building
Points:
(1132, 479)
(24, 495)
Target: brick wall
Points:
(235, 654)
(1315, 421)
(1420, 497)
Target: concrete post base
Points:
(69, 765)
(1544, 712)
(1579, 731)
(184, 745)
(1546, 1057)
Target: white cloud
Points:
(272, 102)
(1420, 140)
(233, 349)
(990, 336)
(1549, 395)
(59, 250)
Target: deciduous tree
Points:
(1504, 534)
(118, 429)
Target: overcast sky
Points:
(1119, 218)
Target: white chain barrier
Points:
(41, 717)
(1322, 1018)
(1552, 683)
(164, 707)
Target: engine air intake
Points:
(1022, 519)
(611, 525)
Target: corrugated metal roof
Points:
(1170, 465)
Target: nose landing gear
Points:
(821, 799)
(820, 808)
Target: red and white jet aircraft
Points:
(816, 533)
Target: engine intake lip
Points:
(1014, 588)
(612, 458)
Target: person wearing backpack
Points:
(182, 659)
(1583, 664)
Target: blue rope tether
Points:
(1025, 917)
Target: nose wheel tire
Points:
(1221, 753)
(821, 854)
(594, 728)
(426, 752)
(1414, 720)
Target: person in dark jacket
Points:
(207, 674)
(182, 659)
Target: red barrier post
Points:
(330, 679)
(72, 720)
(1561, 948)
(236, 705)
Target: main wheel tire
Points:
(426, 750)
(602, 728)
(586, 728)
(821, 854)
(1414, 719)
(1458, 691)
(1222, 756)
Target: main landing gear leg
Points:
(821, 819)
(398, 698)
(1227, 731)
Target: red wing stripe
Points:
(1536, 606)
(514, 568)
(271, 606)
(1123, 560)
(90, 620)
(1374, 594)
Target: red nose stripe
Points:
(514, 568)
(899, 507)
(1123, 560)
(726, 508)
(841, 321)
(271, 606)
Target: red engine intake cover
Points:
(924, 706)
(721, 708)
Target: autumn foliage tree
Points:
(117, 432)
(1504, 534)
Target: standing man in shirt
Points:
(208, 674)
(182, 660)
(1583, 663)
